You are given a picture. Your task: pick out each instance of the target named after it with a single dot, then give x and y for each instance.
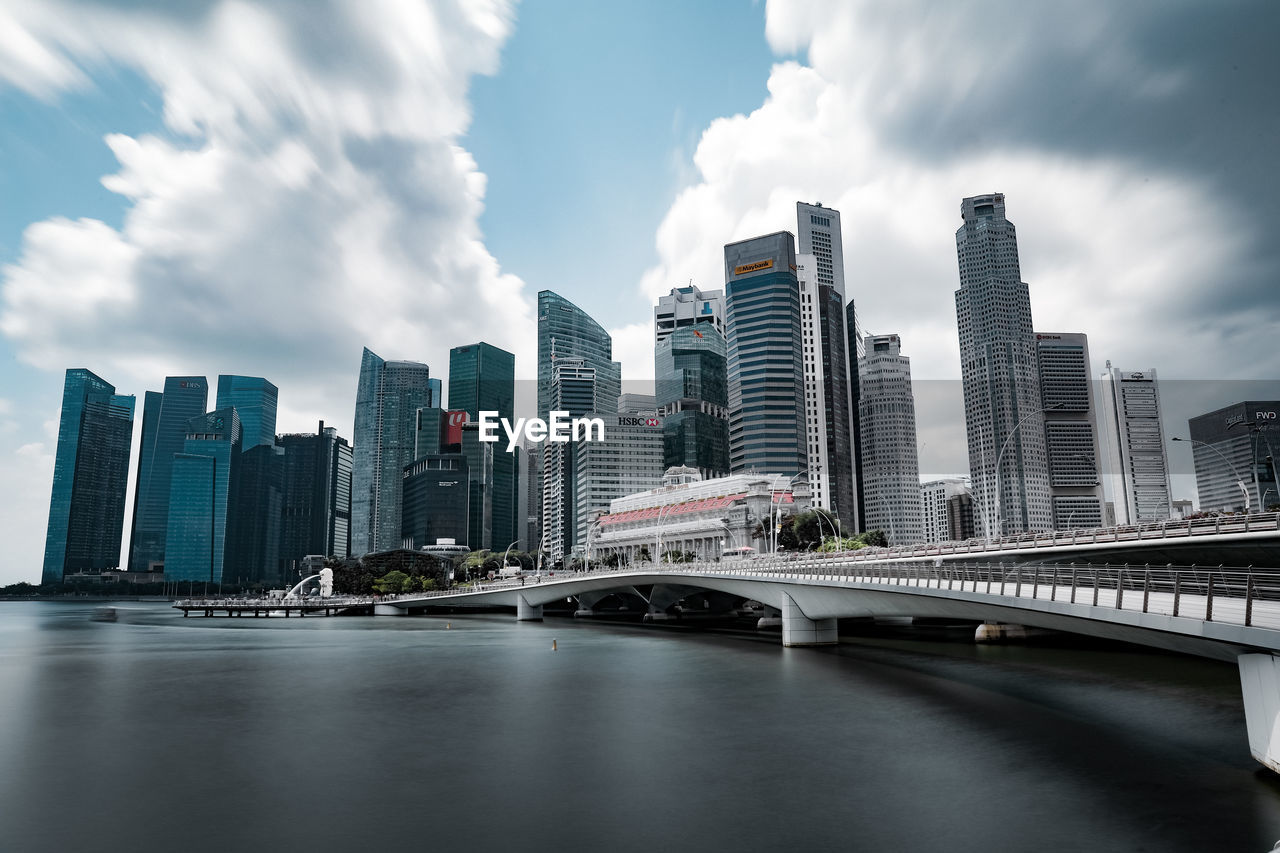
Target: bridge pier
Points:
(772, 618)
(1260, 684)
(800, 630)
(526, 612)
(386, 610)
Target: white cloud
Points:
(312, 198)
(1110, 247)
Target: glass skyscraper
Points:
(890, 463)
(254, 400)
(482, 378)
(566, 331)
(316, 516)
(594, 383)
(204, 480)
(692, 384)
(164, 431)
(766, 376)
(1002, 404)
(90, 476)
(388, 397)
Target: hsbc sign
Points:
(644, 421)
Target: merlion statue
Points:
(326, 583)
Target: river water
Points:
(160, 733)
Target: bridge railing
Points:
(1171, 529)
(1241, 595)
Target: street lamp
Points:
(504, 557)
(595, 525)
(657, 557)
(1000, 457)
(777, 513)
(1239, 480)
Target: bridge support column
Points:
(1260, 684)
(800, 630)
(772, 618)
(526, 612)
(386, 610)
(998, 632)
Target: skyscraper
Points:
(1234, 456)
(255, 401)
(685, 306)
(890, 464)
(1070, 430)
(1137, 465)
(316, 517)
(592, 384)
(765, 356)
(90, 476)
(164, 431)
(854, 354)
(833, 448)
(574, 390)
(204, 482)
(436, 500)
(566, 331)
(938, 500)
(692, 383)
(482, 378)
(628, 460)
(388, 397)
(998, 364)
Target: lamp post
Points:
(504, 558)
(595, 525)
(777, 513)
(1000, 457)
(1239, 480)
(657, 557)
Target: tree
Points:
(390, 583)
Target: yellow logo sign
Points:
(756, 267)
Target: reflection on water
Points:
(467, 732)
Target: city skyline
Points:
(1144, 291)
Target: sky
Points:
(265, 188)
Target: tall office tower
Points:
(856, 350)
(566, 331)
(205, 479)
(254, 400)
(481, 457)
(685, 306)
(482, 378)
(164, 431)
(890, 466)
(692, 372)
(387, 402)
(257, 508)
(935, 503)
(818, 237)
(574, 390)
(961, 523)
(765, 356)
(628, 460)
(90, 476)
(436, 389)
(815, 403)
(818, 234)
(998, 364)
(1234, 455)
(316, 516)
(1070, 430)
(1137, 467)
(436, 500)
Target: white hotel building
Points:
(687, 513)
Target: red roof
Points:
(673, 510)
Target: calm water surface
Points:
(159, 733)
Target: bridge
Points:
(1230, 614)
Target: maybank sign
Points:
(754, 267)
